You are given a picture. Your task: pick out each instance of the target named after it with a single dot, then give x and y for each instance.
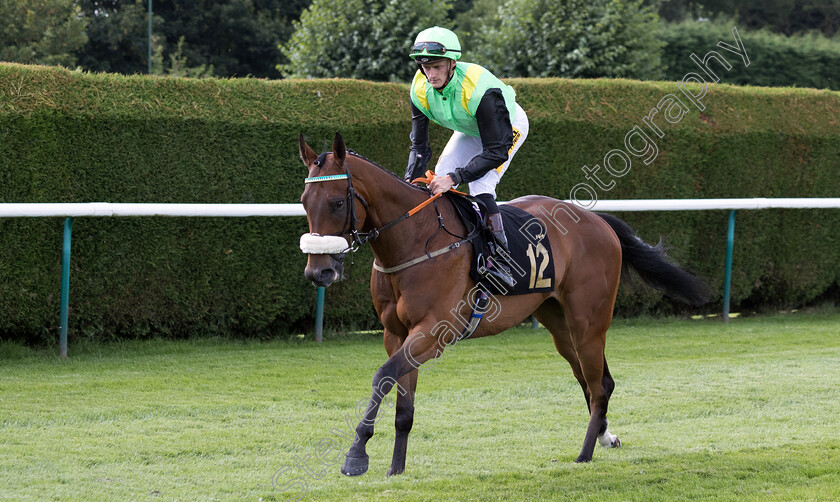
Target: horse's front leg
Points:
(417, 349)
(403, 421)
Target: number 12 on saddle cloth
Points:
(530, 250)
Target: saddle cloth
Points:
(530, 259)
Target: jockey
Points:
(489, 126)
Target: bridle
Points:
(357, 238)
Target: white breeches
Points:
(462, 148)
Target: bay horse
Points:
(350, 201)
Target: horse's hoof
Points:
(394, 472)
(609, 441)
(355, 466)
(581, 459)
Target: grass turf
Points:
(704, 410)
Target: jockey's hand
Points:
(441, 184)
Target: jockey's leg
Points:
(497, 263)
(484, 189)
(458, 152)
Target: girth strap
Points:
(421, 259)
(477, 314)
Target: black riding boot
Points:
(497, 264)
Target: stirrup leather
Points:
(496, 263)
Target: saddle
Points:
(529, 255)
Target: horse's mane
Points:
(323, 157)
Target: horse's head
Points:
(330, 204)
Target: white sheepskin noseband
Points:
(322, 244)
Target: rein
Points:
(373, 234)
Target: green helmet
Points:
(435, 43)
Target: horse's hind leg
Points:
(588, 321)
(605, 438)
(550, 315)
(594, 379)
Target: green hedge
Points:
(809, 60)
(76, 137)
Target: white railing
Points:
(101, 209)
(72, 210)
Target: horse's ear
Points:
(307, 155)
(339, 150)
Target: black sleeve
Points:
(496, 138)
(420, 152)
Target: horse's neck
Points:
(389, 198)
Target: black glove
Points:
(417, 162)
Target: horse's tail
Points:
(653, 266)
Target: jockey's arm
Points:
(420, 152)
(496, 138)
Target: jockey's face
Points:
(438, 72)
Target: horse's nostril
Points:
(326, 276)
(320, 277)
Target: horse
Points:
(420, 295)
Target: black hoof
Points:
(394, 472)
(355, 466)
(581, 459)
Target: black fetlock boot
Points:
(497, 264)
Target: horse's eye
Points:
(337, 205)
